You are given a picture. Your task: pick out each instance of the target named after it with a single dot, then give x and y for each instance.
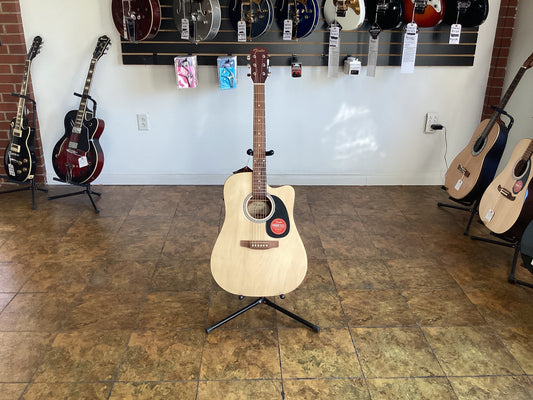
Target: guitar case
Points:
(526, 247)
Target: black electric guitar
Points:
(303, 15)
(78, 157)
(468, 13)
(19, 157)
(258, 251)
(387, 14)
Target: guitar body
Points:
(467, 13)
(79, 158)
(505, 207)
(258, 15)
(204, 18)
(387, 14)
(246, 271)
(481, 163)
(19, 158)
(305, 16)
(425, 17)
(349, 14)
(136, 20)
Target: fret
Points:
(259, 143)
(80, 115)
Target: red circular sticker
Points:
(518, 186)
(278, 226)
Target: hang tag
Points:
(373, 45)
(11, 170)
(489, 215)
(185, 35)
(82, 162)
(333, 53)
(186, 71)
(455, 34)
(227, 72)
(459, 184)
(241, 31)
(410, 42)
(296, 70)
(287, 29)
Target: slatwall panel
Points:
(433, 48)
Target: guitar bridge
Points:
(463, 170)
(259, 244)
(506, 193)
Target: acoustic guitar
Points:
(506, 207)
(425, 13)
(468, 13)
(473, 169)
(136, 20)
(348, 14)
(258, 251)
(202, 18)
(78, 157)
(19, 157)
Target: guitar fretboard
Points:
(259, 143)
(80, 115)
(22, 100)
(528, 152)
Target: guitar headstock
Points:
(103, 44)
(529, 62)
(259, 65)
(35, 47)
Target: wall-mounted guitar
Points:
(258, 251)
(78, 157)
(425, 13)
(136, 20)
(387, 14)
(256, 15)
(202, 18)
(468, 13)
(348, 14)
(506, 207)
(304, 15)
(474, 167)
(19, 158)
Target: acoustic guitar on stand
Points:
(78, 157)
(425, 13)
(506, 207)
(19, 157)
(136, 20)
(473, 169)
(258, 251)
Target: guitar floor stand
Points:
(264, 300)
(471, 207)
(88, 191)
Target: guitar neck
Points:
(80, 115)
(22, 100)
(528, 152)
(259, 143)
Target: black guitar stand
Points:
(33, 186)
(470, 206)
(264, 300)
(87, 186)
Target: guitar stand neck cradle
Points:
(33, 186)
(87, 186)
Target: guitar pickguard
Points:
(278, 225)
(521, 180)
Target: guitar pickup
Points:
(463, 170)
(506, 193)
(259, 244)
(17, 132)
(73, 145)
(15, 148)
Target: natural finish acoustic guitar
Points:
(258, 251)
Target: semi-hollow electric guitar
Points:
(201, 17)
(468, 13)
(78, 157)
(258, 251)
(506, 207)
(136, 20)
(348, 14)
(425, 13)
(473, 169)
(303, 14)
(19, 157)
(387, 14)
(255, 15)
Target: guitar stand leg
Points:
(472, 208)
(263, 300)
(88, 191)
(33, 187)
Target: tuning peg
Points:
(248, 57)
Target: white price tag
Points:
(459, 184)
(11, 170)
(82, 162)
(185, 35)
(287, 29)
(334, 36)
(241, 31)
(372, 56)
(455, 34)
(489, 215)
(410, 42)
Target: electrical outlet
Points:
(143, 124)
(432, 118)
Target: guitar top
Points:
(203, 18)
(387, 14)
(349, 14)
(257, 16)
(136, 20)
(425, 13)
(467, 13)
(303, 14)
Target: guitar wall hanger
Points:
(250, 152)
(88, 97)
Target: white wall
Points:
(345, 130)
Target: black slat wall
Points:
(433, 48)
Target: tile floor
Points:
(115, 305)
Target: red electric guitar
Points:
(136, 19)
(425, 13)
(78, 156)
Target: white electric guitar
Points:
(349, 14)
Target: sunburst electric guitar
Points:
(258, 251)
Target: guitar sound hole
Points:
(520, 168)
(258, 209)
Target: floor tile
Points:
(334, 389)
(122, 276)
(14, 275)
(154, 390)
(519, 342)
(240, 390)
(180, 274)
(70, 391)
(493, 388)
(361, 273)
(412, 273)
(12, 391)
(411, 388)
(60, 277)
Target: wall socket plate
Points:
(432, 118)
(143, 124)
